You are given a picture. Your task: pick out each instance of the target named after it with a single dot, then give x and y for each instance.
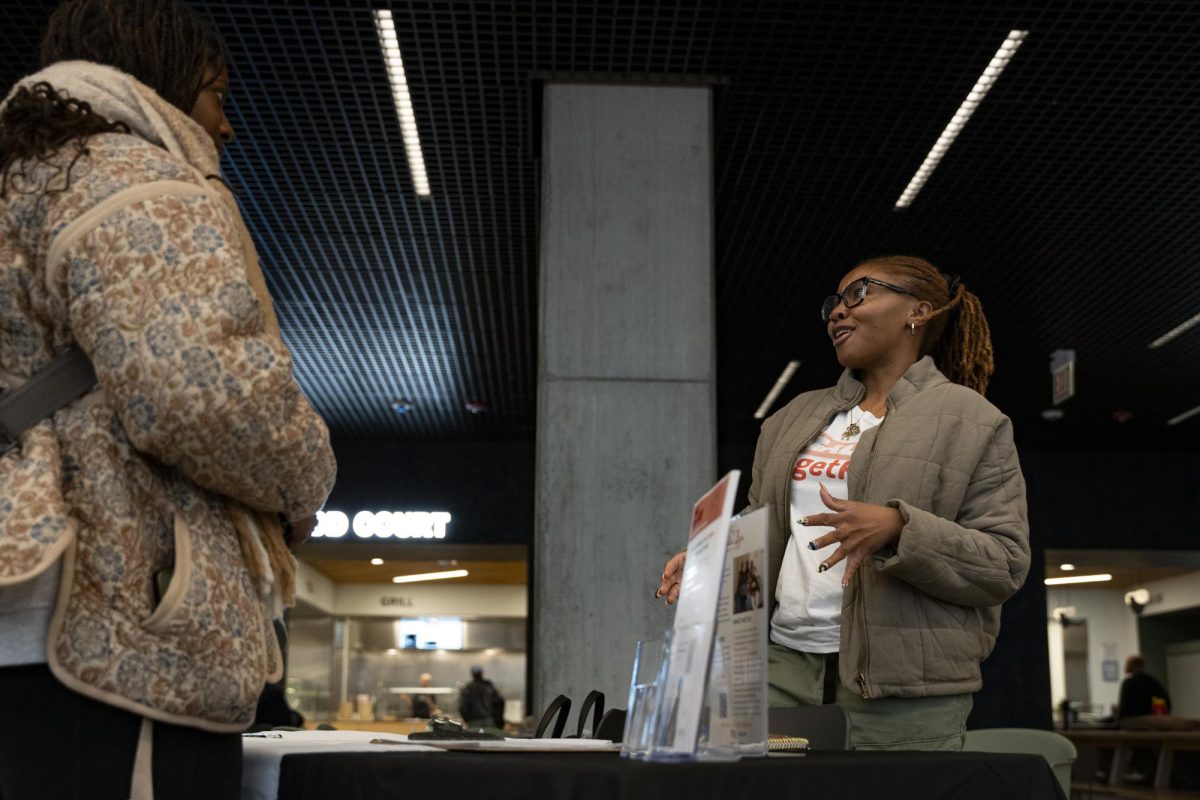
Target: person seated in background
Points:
(1141, 696)
(1140, 690)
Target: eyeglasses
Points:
(854, 294)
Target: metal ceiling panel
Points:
(1067, 203)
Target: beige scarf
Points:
(119, 97)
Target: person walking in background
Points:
(898, 520)
(144, 526)
(479, 703)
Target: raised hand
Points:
(859, 530)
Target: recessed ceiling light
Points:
(782, 381)
(974, 97)
(377, 561)
(1185, 415)
(385, 27)
(1181, 328)
(430, 576)
(1066, 567)
(1079, 579)
(401, 406)
(1053, 414)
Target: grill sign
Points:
(383, 524)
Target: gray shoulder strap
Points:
(68, 377)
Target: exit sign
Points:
(1062, 375)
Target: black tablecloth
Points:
(606, 776)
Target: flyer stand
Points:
(708, 698)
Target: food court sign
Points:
(382, 524)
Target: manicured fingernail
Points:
(822, 568)
(845, 584)
(812, 545)
(802, 521)
(657, 595)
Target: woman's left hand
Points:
(860, 530)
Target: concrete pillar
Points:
(626, 437)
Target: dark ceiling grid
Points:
(1089, 168)
(434, 214)
(463, 160)
(841, 181)
(1068, 200)
(473, 154)
(299, 316)
(294, 267)
(428, 379)
(395, 362)
(384, 108)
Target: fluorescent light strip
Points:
(784, 377)
(1079, 579)
(1182, 327)
(430, 576)
(1185, 415)
(386, 28)
(990, 75)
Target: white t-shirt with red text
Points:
(808, 618)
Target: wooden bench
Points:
(1123, 743)
(1087, 791)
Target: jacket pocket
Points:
(173, 599)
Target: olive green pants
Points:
(885, 723)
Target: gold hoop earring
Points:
(912, 328)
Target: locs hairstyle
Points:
(162, 43)
(956, 331)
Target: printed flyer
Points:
(737, 719)
(681, 700)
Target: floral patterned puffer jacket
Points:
(137, 260)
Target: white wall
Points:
(413, 600)
(1177, 593)
(425, 600)
(1183, 678)
(313, 587)
(1112, 635)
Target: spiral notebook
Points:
(786, 744)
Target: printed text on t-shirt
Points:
(827, 456)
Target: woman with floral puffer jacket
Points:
(121, 244)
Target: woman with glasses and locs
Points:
(897, 513)
(144, 525)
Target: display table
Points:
(606, 776)
(1123, 743)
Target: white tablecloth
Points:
(263, 752)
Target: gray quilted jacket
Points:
(917, 620)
